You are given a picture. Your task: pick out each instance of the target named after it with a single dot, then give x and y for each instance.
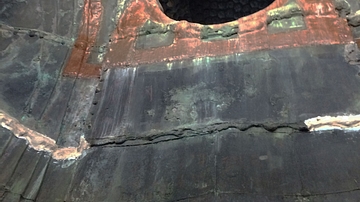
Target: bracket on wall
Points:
(154, 35)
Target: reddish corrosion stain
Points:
(323, 26)
(77, 64)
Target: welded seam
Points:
(35, 192)
(216, 139)
(40, 142)
(21, 196)
(53, 89)
(194, 197)
(271, 195)
(5, 146)
(31, 175)
(39, 33)
(292, 195)
(321, 194)
(17, 163)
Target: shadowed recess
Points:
(212, 11)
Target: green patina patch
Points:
(151, 27)
(290, 10)
(225, 32)
(287, 24)
(153, 35)
(286, 18)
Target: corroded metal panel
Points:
(209, 113)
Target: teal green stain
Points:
(44, 78)
(287, 24)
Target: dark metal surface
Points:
(224, 128)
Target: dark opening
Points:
(211, 11)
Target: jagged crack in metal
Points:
(187, 132)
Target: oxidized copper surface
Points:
(77, 63)
(323, 26)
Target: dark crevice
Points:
(187, 132)
(352, 54)
(211, 11)
(342, 7)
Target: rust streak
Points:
(322, 26)
(77, 63)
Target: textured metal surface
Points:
(282, 24)
(265, 87)
(254, 32)
(224, 128)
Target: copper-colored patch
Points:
(322, 26)
(77, 63)
(40, 142)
